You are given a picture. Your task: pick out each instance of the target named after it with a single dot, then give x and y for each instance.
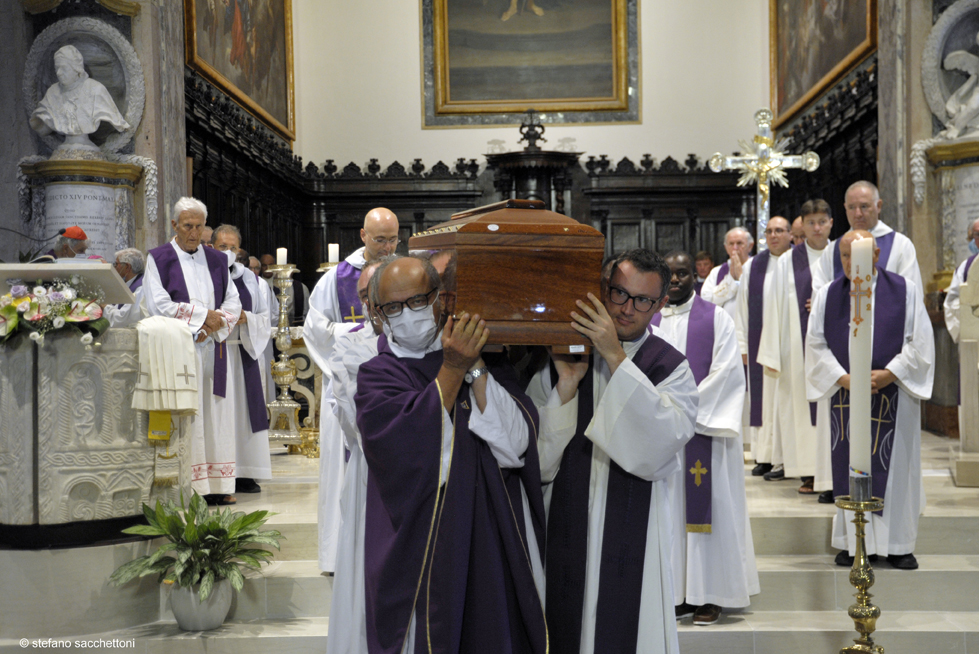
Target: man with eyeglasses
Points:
(723, 282)
(129, 264)
(612, 426)
(755, 310)
(897, 254)
(782, 352)
(333, 309)
(454, 522)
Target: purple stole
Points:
(137, 284)
(172, 278)
(700, 355)
(624, 539)
(257, 412)
(347, 297)
(885, 243)
(756, 304)
(722, 273)
(889, 313)
(968, 264)
(803, 292)
(699, 285)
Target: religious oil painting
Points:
(813, 43)
(508, 56)
(244, 47)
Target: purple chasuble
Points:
(172, 278)
(756, 304)
(885, 243)
(889, 314)
(697, 452)
(624, 536)
(137, 284)
(347, 297)
(257, 411)
(803, 292)
(453, 556)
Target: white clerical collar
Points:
(631, 347)
(813, 251)
(677, 309)
(356, 258)
(185, 253)
(880, 229)
(405, 353)
(237, 270)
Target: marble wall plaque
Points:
(17, 433)
(966, 207)
(90, 206)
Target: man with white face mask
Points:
(454, 500)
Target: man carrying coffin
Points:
(612, 428)
(782, 347)
(191, 283)
(901, 376)
(722, 284)
(454, 517)
(246, 350)
(897, 254)
(756, 308)
(713, 554)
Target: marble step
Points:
(750, 632)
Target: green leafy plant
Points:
(204, 546)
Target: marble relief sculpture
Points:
(962, 107)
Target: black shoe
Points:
(844, 559)
(246, 485)
(903, 561)
(776, 474)
(216, 499)
(761, 469)
(826, 497)
(684, 610)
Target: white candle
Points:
(281, 257)
(861, 350)
(334, 249)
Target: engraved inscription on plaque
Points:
(90, 206)
(966, 206)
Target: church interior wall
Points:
(704, 72)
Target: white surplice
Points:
(896, 530)
(903, 260)
(253, 457)
(643, 428)
(782, 350)
(763, 439)
(952, 300)
(126, 315)
(725, 293)
(719, 567)
(212, 445)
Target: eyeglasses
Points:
(862, 207)
(394, 240)
(641, 304)
(773, 231)
(415, 303)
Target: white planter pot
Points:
(193, 615)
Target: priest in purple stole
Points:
(722, 284)
(612, 428)
(189, 282)
(902, 375)
(952, 302)
(454, 512)
(334, 308)
(130, 265)
(713, 554)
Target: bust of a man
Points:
(77, 104)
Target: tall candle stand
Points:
(863, 612)
(284, 411)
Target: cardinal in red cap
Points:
(71, 242)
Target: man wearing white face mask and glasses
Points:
(454, 502)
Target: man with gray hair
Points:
(722, 284)
(70, 243)
(129, 264)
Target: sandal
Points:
(806, 488)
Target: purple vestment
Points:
(252, 370)
(347, 297)
(885, 243)
(453, 556)
(722, 273)
(968, 264)
(136, 285)
(756, 304)
(889, 314)
(803, 293)
(624, 536)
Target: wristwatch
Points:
(473, 375)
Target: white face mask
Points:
(412, 330)
(232, 255)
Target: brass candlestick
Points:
(863, 612)
(284, 411)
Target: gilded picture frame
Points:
(488, 62)
(812, 45)
(245, 49)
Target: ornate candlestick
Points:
(284, 411)
(864, 613)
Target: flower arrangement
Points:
(52, 306)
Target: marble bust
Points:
(76, 105)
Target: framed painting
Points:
(570, 60)
(244, 47)
(812, 44)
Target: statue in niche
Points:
(962, 106)
(76, 105)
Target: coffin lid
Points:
(528, 217)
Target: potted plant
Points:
(202, 557)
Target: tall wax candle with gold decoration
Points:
(861, 349)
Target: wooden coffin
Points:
(520, 267)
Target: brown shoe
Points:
(706, 615)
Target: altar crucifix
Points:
(764, 161)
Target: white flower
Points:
(59, 322)
(39, 291)
(69, 294)
(35, 336)
(76, 279)
(87, 339)
(5, 300)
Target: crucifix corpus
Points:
(764, 162)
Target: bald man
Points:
(334, 309)
(902, 371)
(798, 232)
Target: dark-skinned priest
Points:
(713, 554)
(902, 371)
(454, 513)
(612, 428)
